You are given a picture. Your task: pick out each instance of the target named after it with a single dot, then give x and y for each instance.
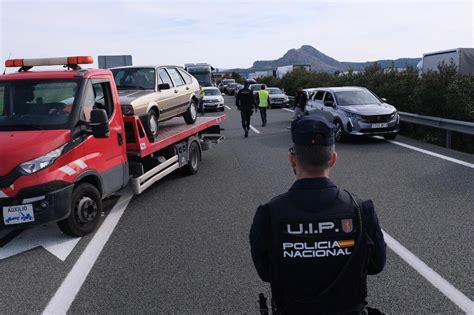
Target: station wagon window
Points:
(164, 77)
(319, 96)
(134, 78)
(175, 76)
(187, 78)
(328, 97)
(98, 96)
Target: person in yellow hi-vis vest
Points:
(263, 99)
(201, 100)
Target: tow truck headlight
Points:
(41, 162)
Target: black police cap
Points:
(313, 130)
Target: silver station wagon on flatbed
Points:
(157, 93)
(355, 111)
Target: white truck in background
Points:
(462, 58)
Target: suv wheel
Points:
(341, 135)
(190, 115)
(86, 210)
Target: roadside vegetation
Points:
(443, 94)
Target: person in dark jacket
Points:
(316, 243)
(300, 104)
(246, 103)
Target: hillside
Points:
(323, 63)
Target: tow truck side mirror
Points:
(164, 86)
(100, 123)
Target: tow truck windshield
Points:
(33, 105)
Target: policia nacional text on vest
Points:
(306, 249)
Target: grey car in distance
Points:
(355, 111)
(278, 97)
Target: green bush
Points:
(443, 94)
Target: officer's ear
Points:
(333, 160)
(292, 159)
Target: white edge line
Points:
(447, 158)
(289, 110)
(73, 282)
(228, 107)
(456, 296)
(254, 129)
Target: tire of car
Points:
(86, 210)
(150, 122)
(390, 137)
(341, 135)
(194, 152)
(190, 115)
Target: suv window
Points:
(328, 97)
(319, 96)
(175, 76)
(186, 76)
(164, 77)
(98, 96)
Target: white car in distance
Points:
(213, 99)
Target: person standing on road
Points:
(316, 243)
(263, 100)
(201, 100)
(300, 104)
(245, 102)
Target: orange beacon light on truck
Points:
(74, 60)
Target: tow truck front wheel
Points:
(86, 210)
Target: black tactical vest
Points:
(318, 257)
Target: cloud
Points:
(231, 34)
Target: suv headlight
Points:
(394, 115)
(41, 162)
(352, 115)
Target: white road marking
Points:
(68, 170)
(254, 129)
(444, 157)
(80, 163)
(3, 195)
(228, 107)
(288, 110)
(456, 296)
(49, 237)
(71, 285)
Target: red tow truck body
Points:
(53, 165)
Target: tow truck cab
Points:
(60, 132)
(64, 147)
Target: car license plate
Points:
(381, 125)
(18, 214)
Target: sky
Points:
(230, 34)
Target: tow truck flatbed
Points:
(170, 132)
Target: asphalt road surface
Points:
(182, 246)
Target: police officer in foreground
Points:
(245, 102)
(316, 243)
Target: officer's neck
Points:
(301, 174)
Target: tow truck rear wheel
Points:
(190, 115)
(86, 210)
(194, 153)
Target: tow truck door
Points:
(106, 156)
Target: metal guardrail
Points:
(449, 125)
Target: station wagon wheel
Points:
(190, 115)
(86, 210)
(150, 123)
